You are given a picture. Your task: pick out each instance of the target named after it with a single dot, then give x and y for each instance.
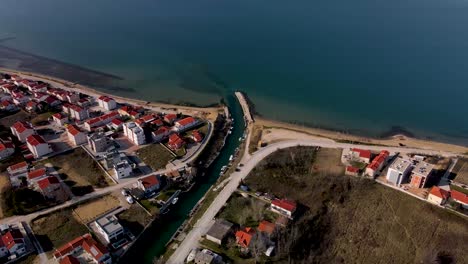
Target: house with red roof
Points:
(161, 133)
(18, 168)
(115, 124)
(69, 260)
(266, 227)
(52, 101)
(6, 149)
(460, 198)
(352, 171)
(31, 106)
(60, 119)
(9, 106)
(107, 103)
(438, 196)
(185, 124)
(12, 243)
(19, 98)
(284, 206)
(129, 110)
(8, 88)
(146, 119)
(26, 83)
(244, 237)
(157, 122)
(72, 97)
(51, 188)
(101, 120)
(85, 249)
(38, 146)
(361, 154)
(76, 136)
(196, 136)
(377, 163)
(22, 130)
(175, 142)
(40, 96)
(36, 175)
(77, 112)
(170, 118)
(38, 87)
(149, 184)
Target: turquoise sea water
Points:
(361, 66)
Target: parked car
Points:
(130, 200)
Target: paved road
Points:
(250, 161)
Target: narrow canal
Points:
(152, 242)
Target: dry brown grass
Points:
(8, 121)
(89, 211)
(355, 220)
(461, 171)
(328, 161)
(4, 184)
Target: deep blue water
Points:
(361, 66)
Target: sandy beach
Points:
(209, 113)
(273, 131)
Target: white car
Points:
(130, 200)
(124, 192)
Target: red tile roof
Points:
(377, 161)
(197, 136)
(18, 166)
(150, 181)
(105, 98)
(175, 141)
(12, 237)
(243, 237)
(266, 227)
(6, 145)
(73, 130)
(117, 121)
(287, 205)
(161, 130)
(87, 243)
(44, 183)
(58, 116)
(170, 117)
(186, 121)
(35, 140)
(21, 126)
(352, 169)
(36, 173)
(441, 193)
(459, 196)
(362, 153)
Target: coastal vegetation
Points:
(348, 218)
(155, 156)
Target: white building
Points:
(12, 243)
(185, 124)
(110, 228)
(398, 171)
(122, 169)
(60, 119)
(75, 136)
(284, 207)
(161, 133)
(77, 112)
(38, 146)
(134, 133)
(99, 142)
(107, 103)
(22, 130)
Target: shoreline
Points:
(208, 112)
(398, 140)
(211, 113)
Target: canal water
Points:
(152, 242)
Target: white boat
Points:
(174, 201)
(231, 158)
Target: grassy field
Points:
(89, 211)
(155, 156)
(460, 171)
(56, 229)
(41, 119)
(79, 171)
(354, 220)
